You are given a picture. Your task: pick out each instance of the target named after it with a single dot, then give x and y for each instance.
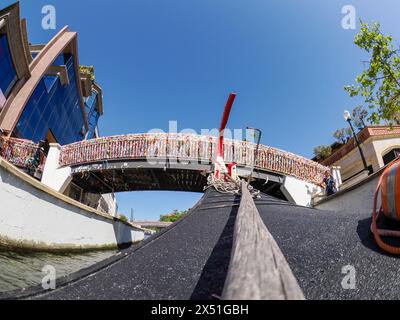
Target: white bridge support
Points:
(53, 176)
(298, 191)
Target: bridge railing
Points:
(17, 151)
(182, 147)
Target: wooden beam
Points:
(25, 41)
(99, 97)
(60, 71)
(155, 180)
(257, 270)
(36, 47)
(86, 85)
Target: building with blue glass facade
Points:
(45, 94)
(8, 75)
(56, 99)
(53, 109)
(93, 109)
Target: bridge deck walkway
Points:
(190, 259)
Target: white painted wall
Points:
(53, 176)
(357, 199)
(374, 148)
(111, 202)
(298, 191)
(337, 177)
(59, 178)
(32, 215)
(351, 163)
(383, 146)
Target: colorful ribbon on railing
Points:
(17, 151)
(192, 147)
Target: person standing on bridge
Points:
(329, 183)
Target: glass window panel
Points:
(55, 107)
(35, 117)
(40, 132)
(59, 60)
(34, 54)
(8, 76)
(27, 132)
(49, 82)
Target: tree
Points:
(349, 134)
(359, 116)
(379, 83)
(174, 216)
(340, 135)
(322, 152)
(343, 135)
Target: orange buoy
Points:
(390, 192)
(389, 188)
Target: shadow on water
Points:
(214, 273)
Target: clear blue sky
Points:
(159, 60)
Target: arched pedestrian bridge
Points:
(177, 162)
(167, 161)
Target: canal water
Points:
(24, 269)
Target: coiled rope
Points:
(229, 186)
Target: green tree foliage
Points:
(379, 83)
(340, 135)
(123, 218)
(89, 70)
(322, 152)
(360, 115)
(343, 135)
(174, 216)
(349, 133)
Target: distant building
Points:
(45, 93)
(380, 144)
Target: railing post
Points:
(337, 176)
(53, 176)
(299, 191)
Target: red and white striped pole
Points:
(219, 161)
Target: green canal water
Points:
(24, 269)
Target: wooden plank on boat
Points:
(258, 270)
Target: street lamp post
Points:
(347, 117)
(255, 152)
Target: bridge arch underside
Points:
(122, 176)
